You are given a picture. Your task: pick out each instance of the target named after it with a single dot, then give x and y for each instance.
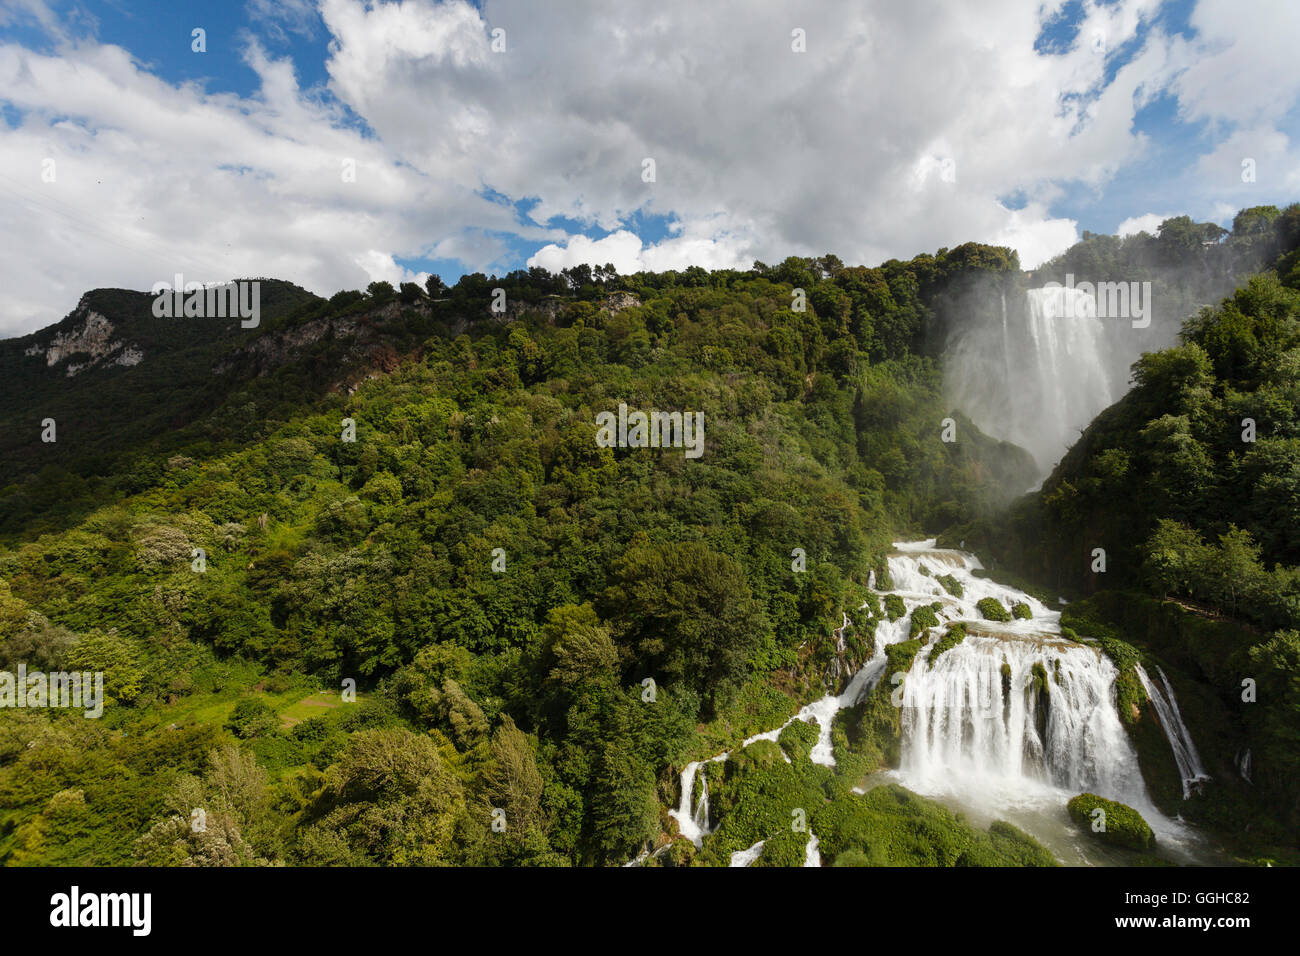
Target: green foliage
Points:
(647, 610)
(797, 739)
(891, 826)
(991, 609)
(252, 717)
(955, 634)
(951, 585)
(1020, 611)
(1116, 824)
(923, 617)
(786, 847)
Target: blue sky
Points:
(893, 132)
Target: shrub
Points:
(797, 739)
(894, 607)
(252, 717)
(786, 847)
(1020, 611)
(951, 585)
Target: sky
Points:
(337, 142)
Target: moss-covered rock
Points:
(898, 659)
(868, 736)
(1118, 824)
(923, 618)
(680, 853)
(1020, 611)
(955, 634)
(894, 607)
(756, 756)
(852, 857)
(991, 609)
(951, 585)
(883, 580)
(1038, 678)
(757, 797)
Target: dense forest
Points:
(367, 590)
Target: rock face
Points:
(368, 350)
(91, 340)
(552, 305)
(618, 301)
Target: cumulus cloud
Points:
(896, 132)
(1150, 223)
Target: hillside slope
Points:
(535, 622)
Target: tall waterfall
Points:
(1180, 741)
(1037, 374)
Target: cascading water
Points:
(694, 823)
(1180, 741)
(1036, 375)
(982, 720)
(1013, 712)
(1014, 718)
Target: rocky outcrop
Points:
(551, 306)
(367, 345)
(91, 341)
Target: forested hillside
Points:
(367, 588)
(533, 623)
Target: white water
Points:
(995, 751)
(1189, 763)
(694, 823)
(748, 856)
(1243, 765)
(1040, 374)
(812, 854)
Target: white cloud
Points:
(893, 134)
(625, 251)
(1036, 237)
(1240, 67)
(1150, 223)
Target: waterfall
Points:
(812, 854)
(981, 720)
(1014, 717)
(748, 856)
(701, 816)
(1013, 713)
(693, 823)
(1038, 374)
(1180, 741)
